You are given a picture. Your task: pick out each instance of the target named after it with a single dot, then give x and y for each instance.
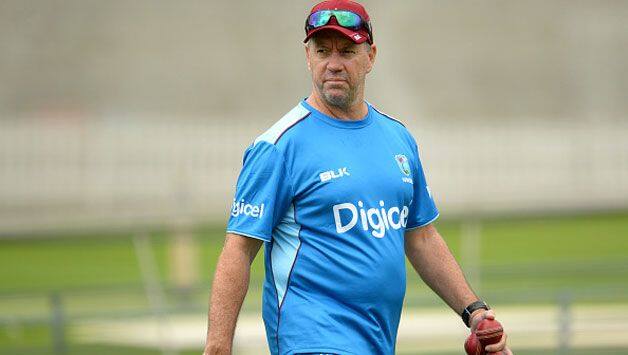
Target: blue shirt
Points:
(332, 200)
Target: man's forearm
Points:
(431, 258)
(229, 288)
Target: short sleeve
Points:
(263, 193)
(423, 210)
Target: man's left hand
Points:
(497, 348)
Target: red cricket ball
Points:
(489, 332)
(472, 345)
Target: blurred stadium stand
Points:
(138, 172)
(138, 112)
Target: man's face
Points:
(339, 67)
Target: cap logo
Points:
(357, 37)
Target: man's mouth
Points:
(335, 82)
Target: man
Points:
(336, 193)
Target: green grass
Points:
(522, 260)
(549, 254)
(62, 263)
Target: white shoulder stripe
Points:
(288, 120)
(389, 116)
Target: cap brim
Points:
(355, 36)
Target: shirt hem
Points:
(233, 231)
(424, 224)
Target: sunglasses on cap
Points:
(346, 19)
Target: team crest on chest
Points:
(403, 163)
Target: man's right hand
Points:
(499, 348)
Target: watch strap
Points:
(466, 313)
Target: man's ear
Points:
(372, 54)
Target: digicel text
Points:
(378, 219)
(246, 209)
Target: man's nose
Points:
(335, 63)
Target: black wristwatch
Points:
(466, 314)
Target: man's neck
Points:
(354, 112)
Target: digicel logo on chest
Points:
(378, 220)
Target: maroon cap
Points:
(360, 36)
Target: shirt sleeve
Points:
(263, 193)
(423, 210)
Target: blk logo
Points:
(333, 174)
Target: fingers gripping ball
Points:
(489, 332)
(472, 345)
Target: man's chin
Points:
(340, 101)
